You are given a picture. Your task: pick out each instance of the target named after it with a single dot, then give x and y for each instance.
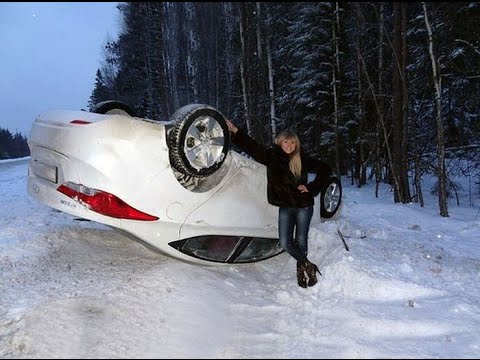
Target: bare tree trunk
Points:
(258, 6)
(335, 71)
(398, 110)
(359, 173)
(216, 65)
(260, 75)
(400, 126)
(378, 147)
(271, 91)
(171, 53)
(437, 80)
(417, 165)
(242, 70)
(228, 61)
(404, 144)
(148, 67)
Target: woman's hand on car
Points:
(231, 127)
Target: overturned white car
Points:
(176, 186)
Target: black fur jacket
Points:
(281, 182)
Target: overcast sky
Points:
(50, 53)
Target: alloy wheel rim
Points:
(332, 197)
(204, 142)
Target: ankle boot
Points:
(302, 280)
(311, 269)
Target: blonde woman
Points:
(289, 189)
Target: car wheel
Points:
(199, 140)
(331, 197)
(113, 107)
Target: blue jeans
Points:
(296, 220)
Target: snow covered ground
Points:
(75, 289)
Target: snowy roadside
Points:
(408, 289)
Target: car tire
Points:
(113, 107)
(199, 140)
(330, 197)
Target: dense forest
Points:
(12, 145)
(384, 91)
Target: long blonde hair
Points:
(295, 163)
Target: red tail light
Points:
(103, 202)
